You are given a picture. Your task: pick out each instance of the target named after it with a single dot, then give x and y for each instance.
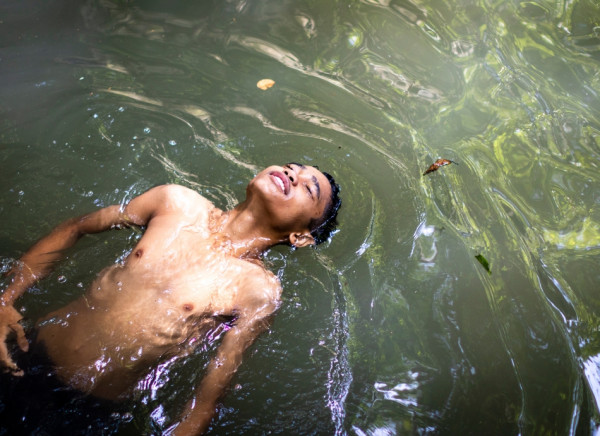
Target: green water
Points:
(393, 327)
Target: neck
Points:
(244, 234)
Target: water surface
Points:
(392, 327)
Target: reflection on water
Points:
(393, 326)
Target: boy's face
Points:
(293, 195)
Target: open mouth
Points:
(281, 181)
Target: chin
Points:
(262, 186)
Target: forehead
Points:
(314, 172)
(308, 168)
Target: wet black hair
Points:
(322, 228)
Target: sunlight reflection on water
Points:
(393, 326)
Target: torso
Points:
(173, 288)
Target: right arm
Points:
(35, 264)
(39, 260)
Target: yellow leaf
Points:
(265, 84)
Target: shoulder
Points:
(179, 196)
(176, 199)
(165, 200)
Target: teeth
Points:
(280, 183)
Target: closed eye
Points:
(309, 191)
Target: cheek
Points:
(291, 217)
(305, 212)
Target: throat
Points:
(240, 234)
(244, 251)
(217, 219)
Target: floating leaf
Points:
(104, 133)
(483, 261)
(265, 84)
(438, 164)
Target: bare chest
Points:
(184, 281)
(133, 314)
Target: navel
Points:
(188, 307)
(138, 253)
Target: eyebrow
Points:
(316, 182)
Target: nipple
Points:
(188, 307)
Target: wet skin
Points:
(194, 265)
(153, 304)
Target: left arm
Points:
(201, 408)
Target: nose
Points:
(291, 174)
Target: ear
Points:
(301, 239)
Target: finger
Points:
(21, 338)
(4, 357)
(6, 361)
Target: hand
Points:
(9, 320)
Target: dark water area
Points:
(393, 326)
